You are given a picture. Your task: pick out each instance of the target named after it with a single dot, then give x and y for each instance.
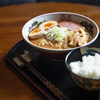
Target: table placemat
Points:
(53, 71)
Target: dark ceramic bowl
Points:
(76, 55)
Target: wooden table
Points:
(12, 19)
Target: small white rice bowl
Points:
(89, 67)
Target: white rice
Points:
(89, 67)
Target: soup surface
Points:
(59, 35)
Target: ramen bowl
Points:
(87, 76)
(59, 54)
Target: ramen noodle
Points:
(59, 35)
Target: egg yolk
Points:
(48, 25)
(35, 31)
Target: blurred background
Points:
(11, 2)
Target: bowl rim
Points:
(58, 50)
(73, 72)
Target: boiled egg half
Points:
(36, 33)
(48, 24)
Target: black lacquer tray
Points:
(54, 71)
